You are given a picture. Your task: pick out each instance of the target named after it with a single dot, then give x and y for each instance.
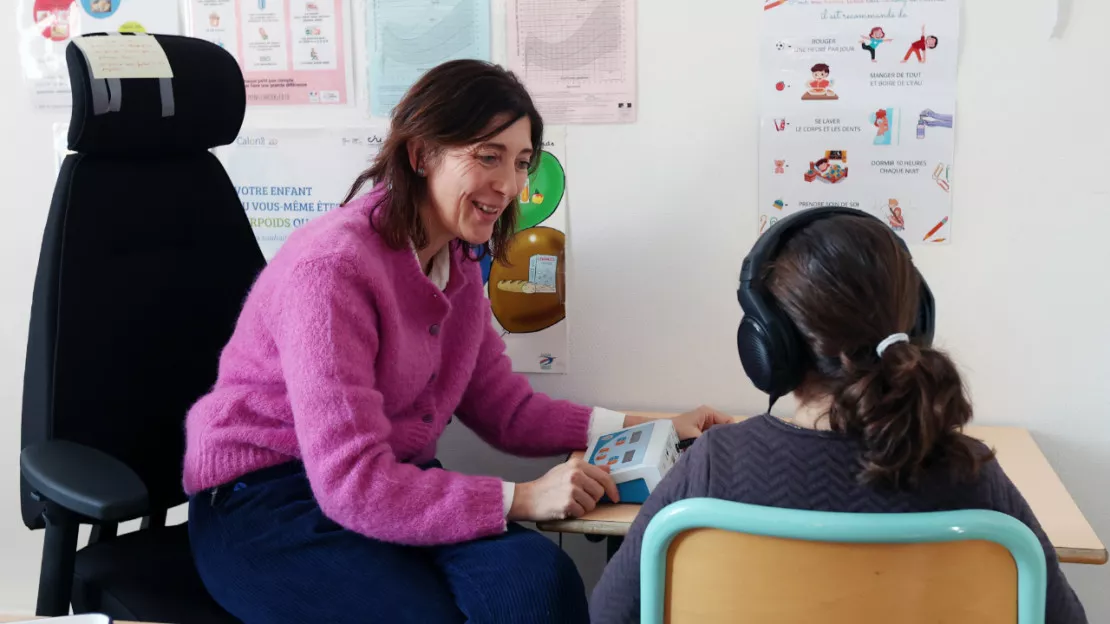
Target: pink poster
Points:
(291, 51)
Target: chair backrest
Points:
(146, 258)
(708, 561)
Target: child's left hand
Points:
(693, 423)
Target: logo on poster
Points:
(259, 141)
(546, 361)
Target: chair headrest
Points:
(207, 100)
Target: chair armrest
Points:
(83, 480)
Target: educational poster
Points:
(409, 37)
(292, 52)
(858, 109)
(287, 176)
(529, 297)
(47, 26)
(577, 57)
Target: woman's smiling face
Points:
(471, 187)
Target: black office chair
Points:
(146, 258)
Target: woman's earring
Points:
(420, 171)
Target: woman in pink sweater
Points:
(315, 494)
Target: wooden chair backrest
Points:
(714, 575)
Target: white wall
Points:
(1023, 299)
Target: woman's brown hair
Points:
(455, 104)
(847, 284)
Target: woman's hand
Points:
(693, 423)
(569, 490)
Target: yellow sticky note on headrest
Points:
(125, 56)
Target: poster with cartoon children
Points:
(291, 53)
(872, 79)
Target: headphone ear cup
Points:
(773, 360)
(757, 353)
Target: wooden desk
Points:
(1019, 456)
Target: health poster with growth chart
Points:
(409, 37)
(577, 57)
(47, 26)
(292, 52)
(858, 106)
(528, 294)
(286, 177)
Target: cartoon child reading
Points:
(818, 87)
(871, 42)
(897, 223)
(919, 47)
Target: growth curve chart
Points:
(573, 40)
(576, 56)
(410, 37)
(452, 35)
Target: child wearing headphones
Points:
(835, 312)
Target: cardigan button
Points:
(434, 330)
(428, 418)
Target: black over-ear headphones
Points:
(771, 348)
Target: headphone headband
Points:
(771, 242)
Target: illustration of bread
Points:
(523, 286)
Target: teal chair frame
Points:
(825, 526)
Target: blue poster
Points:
(409, 37)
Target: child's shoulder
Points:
(753, 430)
(763, 425)
(719, 434)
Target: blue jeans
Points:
(266, 553)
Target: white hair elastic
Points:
(889, 340)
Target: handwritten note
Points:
(125, 56)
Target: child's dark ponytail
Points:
(848, 285)
(907, 406)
